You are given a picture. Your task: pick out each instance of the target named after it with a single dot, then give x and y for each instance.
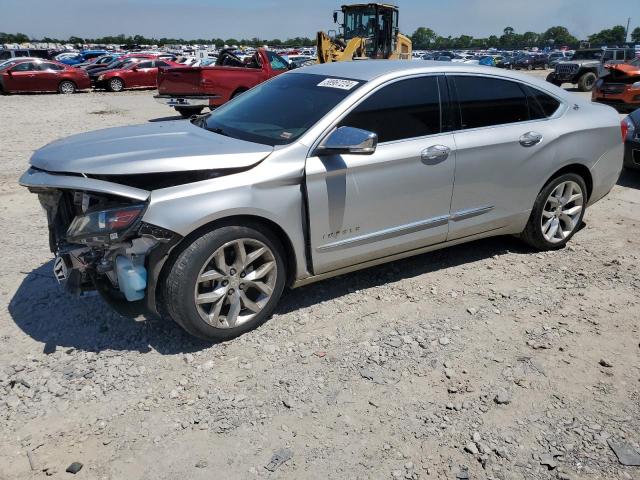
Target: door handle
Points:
(435, 154)
(530, 139)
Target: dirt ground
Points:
(485, 360)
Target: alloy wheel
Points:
(67, 88)
(562, 211)
(116, 84)
(235, 283)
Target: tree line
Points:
(142, 40)
(425, 38)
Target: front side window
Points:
(24, 67)
(487, 101)
(145, 65)
(405, 109)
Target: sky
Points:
(282, 19)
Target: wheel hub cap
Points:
(562, 211)
(235, 283)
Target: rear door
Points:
(48, 76)
(502, 137)
(363, 207)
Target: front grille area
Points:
(566, 68)
(612, 87)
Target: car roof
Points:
(368, 70)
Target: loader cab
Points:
(375, 22)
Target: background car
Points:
(143, 73)
(43, 76)
(531, 62)
(119, 63)
(80, 57)
(98, 62)
(632, 140)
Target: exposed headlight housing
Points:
(635, 85)
(104, 226)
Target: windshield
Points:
(279, 111)
(587, 55)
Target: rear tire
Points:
(66, 87)
(587, 81)
(186, 112)
(115, 85)
(218, 296)
(555, 216)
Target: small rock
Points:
(502, 398)
(444, 341)
(74, 468)
(278, 458)
(605, 363)
(625, 453)
(548, 460)
(269, 348)
(471, 448)
(472, 310)
(202, 464)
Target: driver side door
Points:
(363, 207)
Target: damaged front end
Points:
(101, 243)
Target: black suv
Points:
(532, 61)
(586, 66)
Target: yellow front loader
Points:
(368, 30)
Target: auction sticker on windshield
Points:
(338, 83)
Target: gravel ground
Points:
(485, 360)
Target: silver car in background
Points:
(315, 173)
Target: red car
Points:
(43, 76)
(134, 75)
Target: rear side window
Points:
(490, 101)
(541, 105)
(405, 109)
(145, 65)
(50, 66)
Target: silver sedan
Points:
(315, 173)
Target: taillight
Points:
(626, 127)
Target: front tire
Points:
(225, 282)
(557, 213)
(587, 81)
(66, 87)
(115, 85)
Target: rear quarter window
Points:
(541, 105)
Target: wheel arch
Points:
(256, 221)
(578, 169)
(238, 91)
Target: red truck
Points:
(190, 89)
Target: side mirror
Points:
(335, 17)
(134, 69)
(10, 73)
(348, 140)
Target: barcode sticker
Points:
(338, 83)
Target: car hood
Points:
(625, 68)
(173, 146)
